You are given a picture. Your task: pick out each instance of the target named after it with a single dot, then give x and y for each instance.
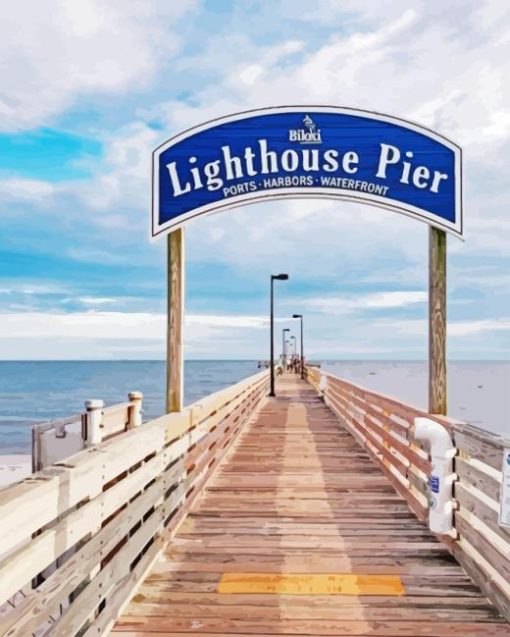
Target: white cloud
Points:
(122, 179)
(250, 74)
(467, 328)
(34, 288)
(445, 66)
(27, 189)
(417, 327)
(55, 52)
(378, 300)
(83, 325)
(96, 300)
(113, 325)
(101, 334)
(107, 334)
(227, 321)
(417, 63)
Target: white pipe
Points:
(442, 451)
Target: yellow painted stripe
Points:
(306, 584)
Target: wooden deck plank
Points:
(230, 625)
(297, 495)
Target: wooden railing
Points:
(58, 439)
(77, 537)
(384, 426)
(483, 545)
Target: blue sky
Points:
(90, 88)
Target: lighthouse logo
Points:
(309, 134)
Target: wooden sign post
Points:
(175, 319)
(437, 322)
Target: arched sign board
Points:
(308, 152)
(302, 152)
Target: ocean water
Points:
(37, 391)
(478, 391)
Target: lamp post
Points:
(294, 350)
(284, 348)
(300, 316)
(274, 277)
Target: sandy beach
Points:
(14, 467)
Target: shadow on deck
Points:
(298, 532)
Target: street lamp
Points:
(284, 349)
(294, 350)
(300, 316)
(274, 277)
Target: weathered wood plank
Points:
(309, 610)
(472, 475)
(497, 556)
(479, 448)
(227, 626)
(157, 594)
(470, 503)
(467, 555)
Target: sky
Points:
(90, 87)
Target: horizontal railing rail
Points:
(385, 427)
(77, 537)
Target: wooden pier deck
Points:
(299, 532)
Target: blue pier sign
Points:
(307, 151)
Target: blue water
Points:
(37, 391)
(43, 390)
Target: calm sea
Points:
(39, 391)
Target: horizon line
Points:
(243, 360)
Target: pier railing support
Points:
(437, 322)
(94, 419)
(175, 320)
(135, 411)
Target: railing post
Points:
(94, 420)
(135, 411)
(323, 381)
(442, 451)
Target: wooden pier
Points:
(300, 533)
(303, 514)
